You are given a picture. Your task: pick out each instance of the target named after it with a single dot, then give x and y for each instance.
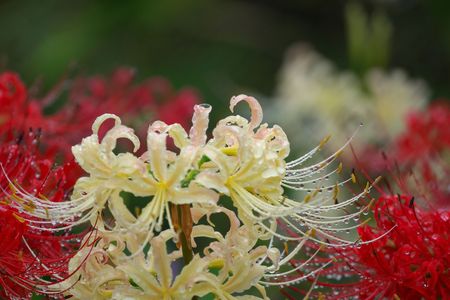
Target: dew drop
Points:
(204, 105)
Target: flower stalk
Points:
(183, 226)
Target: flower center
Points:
(162, 185)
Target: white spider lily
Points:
(249, 166)
(159, 281)
(107, 274)
(235, 256)
(313, 95)
(242, 262)
(168, 172)
(244, 160)
(230, 265)
(159, 174)
(108, 171)
(96, 278)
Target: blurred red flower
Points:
(409, 256)
(412, 261)
(32, 250)
(32, 254)
(427, 134)
(137, 104)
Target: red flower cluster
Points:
(12, 265)
(412, 262)
(30, 252)
(426, 134)
(35, 253)
(408, 256)
(13, 96)
(87, 99)
(409, 253)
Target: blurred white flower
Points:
(314, 96)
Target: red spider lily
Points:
(409, 256)
(87, 99)
(12, 264)
(32, 249)
(423, 146)
(411, 261)
(32, 255)
(426, 135)
(12, 92)
(13, 95)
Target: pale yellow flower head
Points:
(109, 273)
(244, 159)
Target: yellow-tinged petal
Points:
(101, 119)
(200, 121)
(255, 108)
(194, 193)
(120, 211)
(162, 263)
(182, 164)
(145, 280)
(156, 143)
(109, 142)
(212, 181)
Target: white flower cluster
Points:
(313, 95)
(179, 180)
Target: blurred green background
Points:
(219, 47)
